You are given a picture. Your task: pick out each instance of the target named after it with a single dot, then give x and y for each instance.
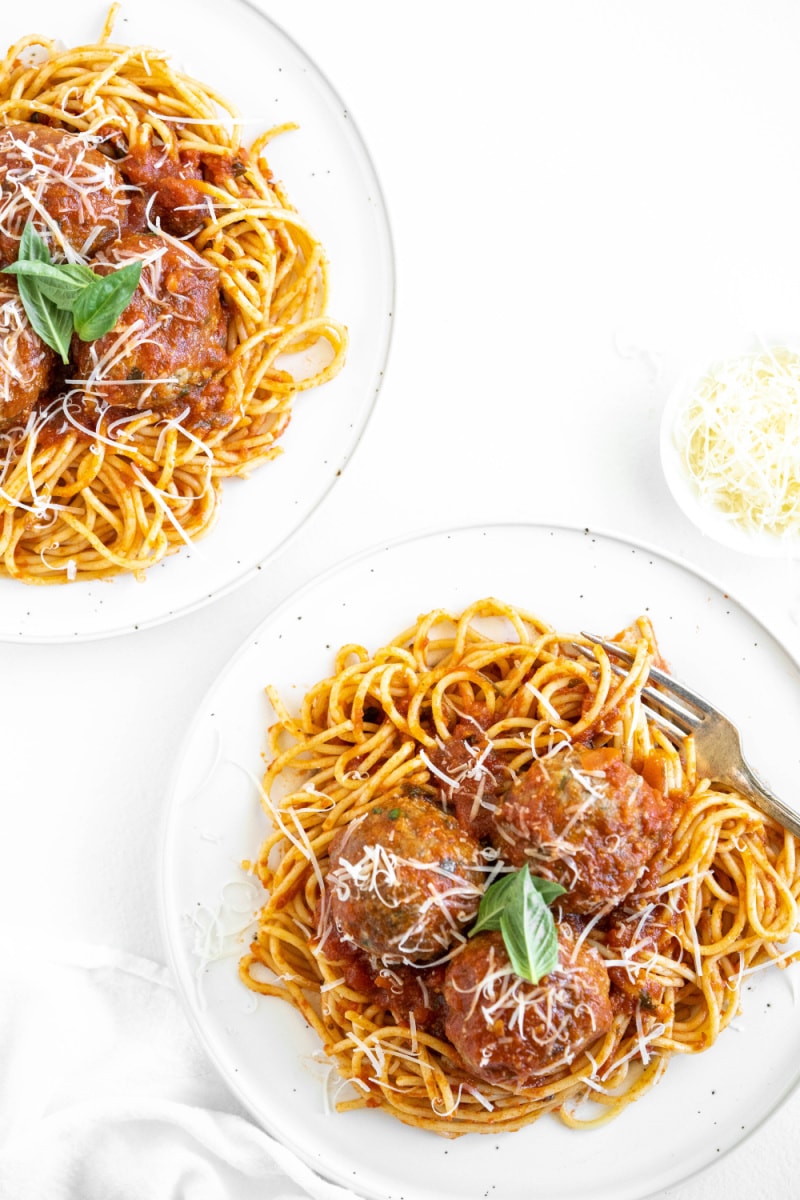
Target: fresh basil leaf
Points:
(100, 305)
(548, 889)
(530, 935)
(501, 893)
(76, 273)
(53, 325)
(517, 905)
(493, 902)
(32, 247)
(62, 283)
(62, 298)
(62, 293)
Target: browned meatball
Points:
(170, 340)
(25, 361)
(404, 880)
(169, 197)
(513, 1033)
(586, 820)
(470, 776)
(78, 188)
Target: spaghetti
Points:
(459, 714)
(120, 460)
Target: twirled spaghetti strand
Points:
(720, 902)
(82, 501)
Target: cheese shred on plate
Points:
(739, 440)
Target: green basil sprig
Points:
(517, 905)
(65, 298)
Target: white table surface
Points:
(583, 198)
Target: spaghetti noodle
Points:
(120, 460)
(459, 713)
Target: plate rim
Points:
(274, 613)
(373, 390)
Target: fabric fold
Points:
(106, 1093)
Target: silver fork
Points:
(717, 741)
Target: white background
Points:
(583, 197)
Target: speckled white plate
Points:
(575, 580)
(330, 180)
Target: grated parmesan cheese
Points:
(738, 437)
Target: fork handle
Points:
(745, 780)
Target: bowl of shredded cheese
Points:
(730, 450)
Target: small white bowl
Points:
(710, 520)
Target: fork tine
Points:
(681, 692)
(677, 691)
(613, 647)
(683, 719)
(671, 730)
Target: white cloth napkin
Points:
(106, 1095)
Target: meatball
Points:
(398, 988)
(470, 777)
(77, 187)
(167, 181)
(586, 820)
(516, 1034)
(404, 880)
(26, 362)
(170, 340)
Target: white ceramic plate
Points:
(575, 580)
(331, 181)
